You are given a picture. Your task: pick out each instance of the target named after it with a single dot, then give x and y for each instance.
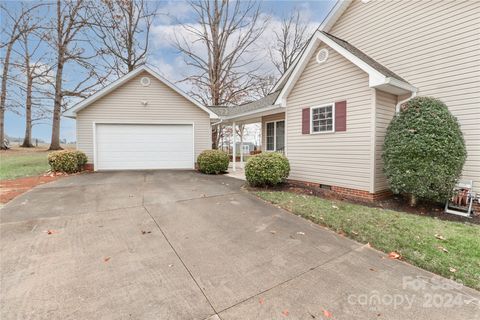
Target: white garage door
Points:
(144, 146)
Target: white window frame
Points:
(246, 146)
(333, 118)
(275, 134)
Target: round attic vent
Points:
(322, 55)
(145, 81)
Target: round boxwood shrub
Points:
(424, 150)
(67, 161)
(213, 161)
(267, 169)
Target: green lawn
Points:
(23, 165)
(450, 249)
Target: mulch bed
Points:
(396, 203)
(10, 189)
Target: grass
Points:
(23, 165)
(450, 249)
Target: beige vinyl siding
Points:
(434, 45)
(342, 158)
(269, 118)
(123, 105)
(384, 112)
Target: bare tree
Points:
(12, 35)
(69, 44)
(34, 71)
(223, 38)
(289, 41)
(123, 27)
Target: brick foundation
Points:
(476, 208)
(349, 193)
(89, 167)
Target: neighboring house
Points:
(247, 147)
(142, 121)
(330, 110)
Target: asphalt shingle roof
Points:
(264, 102)
(364, 57)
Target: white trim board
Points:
(72, 112)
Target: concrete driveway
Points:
(181, 245)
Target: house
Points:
(330, 111)
(246, 146)
(141, 121)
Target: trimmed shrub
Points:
(81, 159)
(424, 150)
(213, 161)
(267, 169)
(67, 161)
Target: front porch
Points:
(271, 118)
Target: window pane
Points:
(280, 135)
(322, 119)
(270, 136)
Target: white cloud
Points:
(173, 11)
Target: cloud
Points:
(174, 11)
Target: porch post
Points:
(241, 150)
(234, 155)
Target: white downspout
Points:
(397, 107)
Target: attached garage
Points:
(141, 121)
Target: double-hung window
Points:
(275, 135)
(322, 119)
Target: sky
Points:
(166, 60)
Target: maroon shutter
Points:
(306, 121)
(341, 116)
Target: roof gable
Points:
(71, 113)
(379, 76)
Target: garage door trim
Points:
(94, 128)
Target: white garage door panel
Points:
(138, 146)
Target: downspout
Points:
(397, 107)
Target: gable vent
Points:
(322, 55)
(145, 81)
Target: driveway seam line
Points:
(71, 215)
(289, 280)
(183, 263)
(207, 197)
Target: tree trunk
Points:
(3, 97)
(27, 141)
(57, 106)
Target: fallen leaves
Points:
(440, 237)
(261, 301)
(273, 231)
(106, 259)
(285, 312)
(327, 314)
(145, 232)
(443, 249)
(453, 270)
(394, 255)
(51, 231)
